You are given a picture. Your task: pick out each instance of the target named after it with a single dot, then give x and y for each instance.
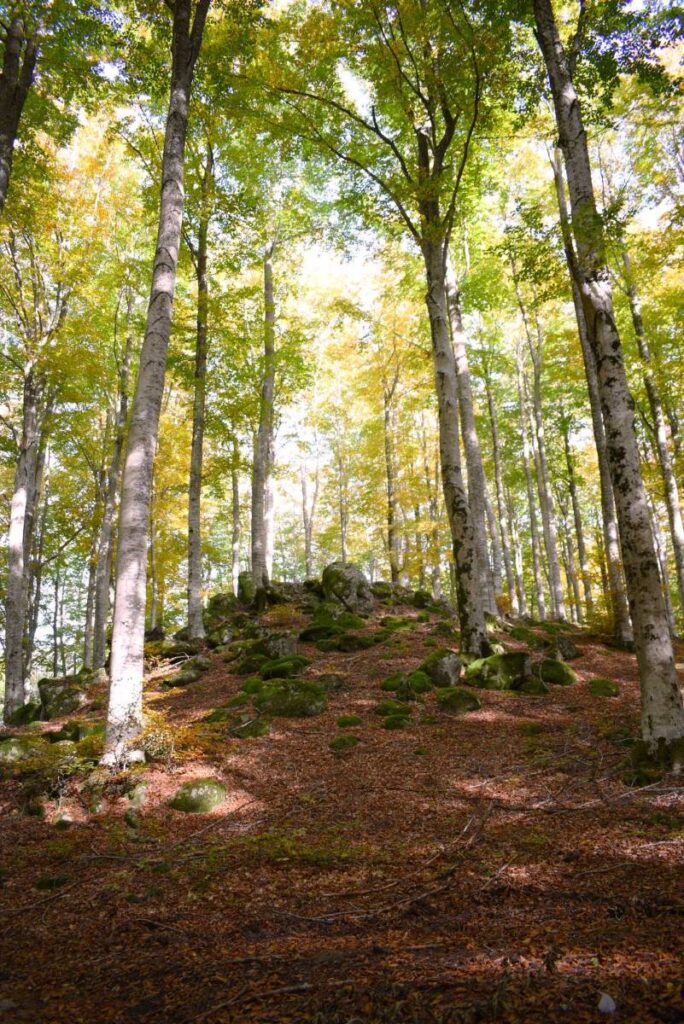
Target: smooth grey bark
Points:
(529, 484)
(308, 514)
(500, 500)
(471, 441)
(517, 556)
(89, 618)
(103, 572)
(342, 497)
(662, 713)
(470, 598)
(389, 387)
(235, 513)
(660, 430)
(124, 713)
(576, 614)
(30, 457)
(495, 546)
(263, 442)
(616, 593)
(661, 551)
(199, 256)
(16, 78)
(577, 517)
(432, 538)
(36, 580)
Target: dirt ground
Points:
(493, 866)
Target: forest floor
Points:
(493, 866)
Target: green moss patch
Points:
(348, 721)
(344, 742)
(601, 687)
(458, 699)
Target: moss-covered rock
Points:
(395, 722)
(393, 682)
(348, 620)
(443, 667)
(345, 582)
(284, 668)
(224, 714)
(534, 687)
(563, 648)
(458, 700)
(422, 599)
(601, 687)
(199, 796)
(179, 648)
(26, 714)
(320, 631)
(201, 662)
(185, 677)
(344, 742)
(250, 664)
(348, 721)
(392, 707)
(499, 671)
(549, 670)
(62, 696)
(20, 748)
(393, 622)
(248, 727)
(254, 684)
(286, 698)
(330, 681)
(246, 588)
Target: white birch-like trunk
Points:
(529, 484)
(662, 713)
(263, 443)
(500, 500)
(124, 713)
(235, 513)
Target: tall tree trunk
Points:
(517, 556)
(529, 482)
(616, 593)
(16, 78)
(37, 573)
(662, 445)
(89, 619)
(235, 540)
(662, 717)
(495, 545)
(103, 574)
(661, 551)
(577, 517)
(22, 516)
(500, 501)
(264, 438)
(471, 442)
(195, 607)
(124, 714)
(569, 562)
(470, 598)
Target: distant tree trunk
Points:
(388, 391)
(55, 624)
(269, 518)
(529, 482)
(500, 501)
(470, 597)
(662, 445)
(235, 542)
(342, 498)
(308, 513)
(517, 557)
(471, 442)
(103, 573)
(577, 516)
(661, 551)
(264, 438)
(124, 714)
(535, 347)
(37, 574)
(30, 459)
(195, 606)
(495, 545)
(616, 593)
(154, 577)
(16, 78)
(662, 711)
(569, 559)
(89, 621)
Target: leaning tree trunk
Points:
(471, 442)
(195, 608)
(662, 716)
(16, 78)
(103, 572)
(674, 509)
(264, 438)
(124, 714)
(470, 598)
(622, 625)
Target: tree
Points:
(124, 713)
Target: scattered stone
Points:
(137, 795)
(564, 649)
(395, 722)
(422, 599)
(249, 727)
(600, 687)
(330, 681)
(254, 684)
(534, 687)
(26, 714)
(443, 667)
(19, 748)
(458, 699)
(284, 668)
(346, 583)
(182, 678)
(200, 662)
(392, 707)
(606, 1004)
(319, 631)
(199, 796)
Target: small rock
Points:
(443, 667)
(606, 1004)
(199, 796)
